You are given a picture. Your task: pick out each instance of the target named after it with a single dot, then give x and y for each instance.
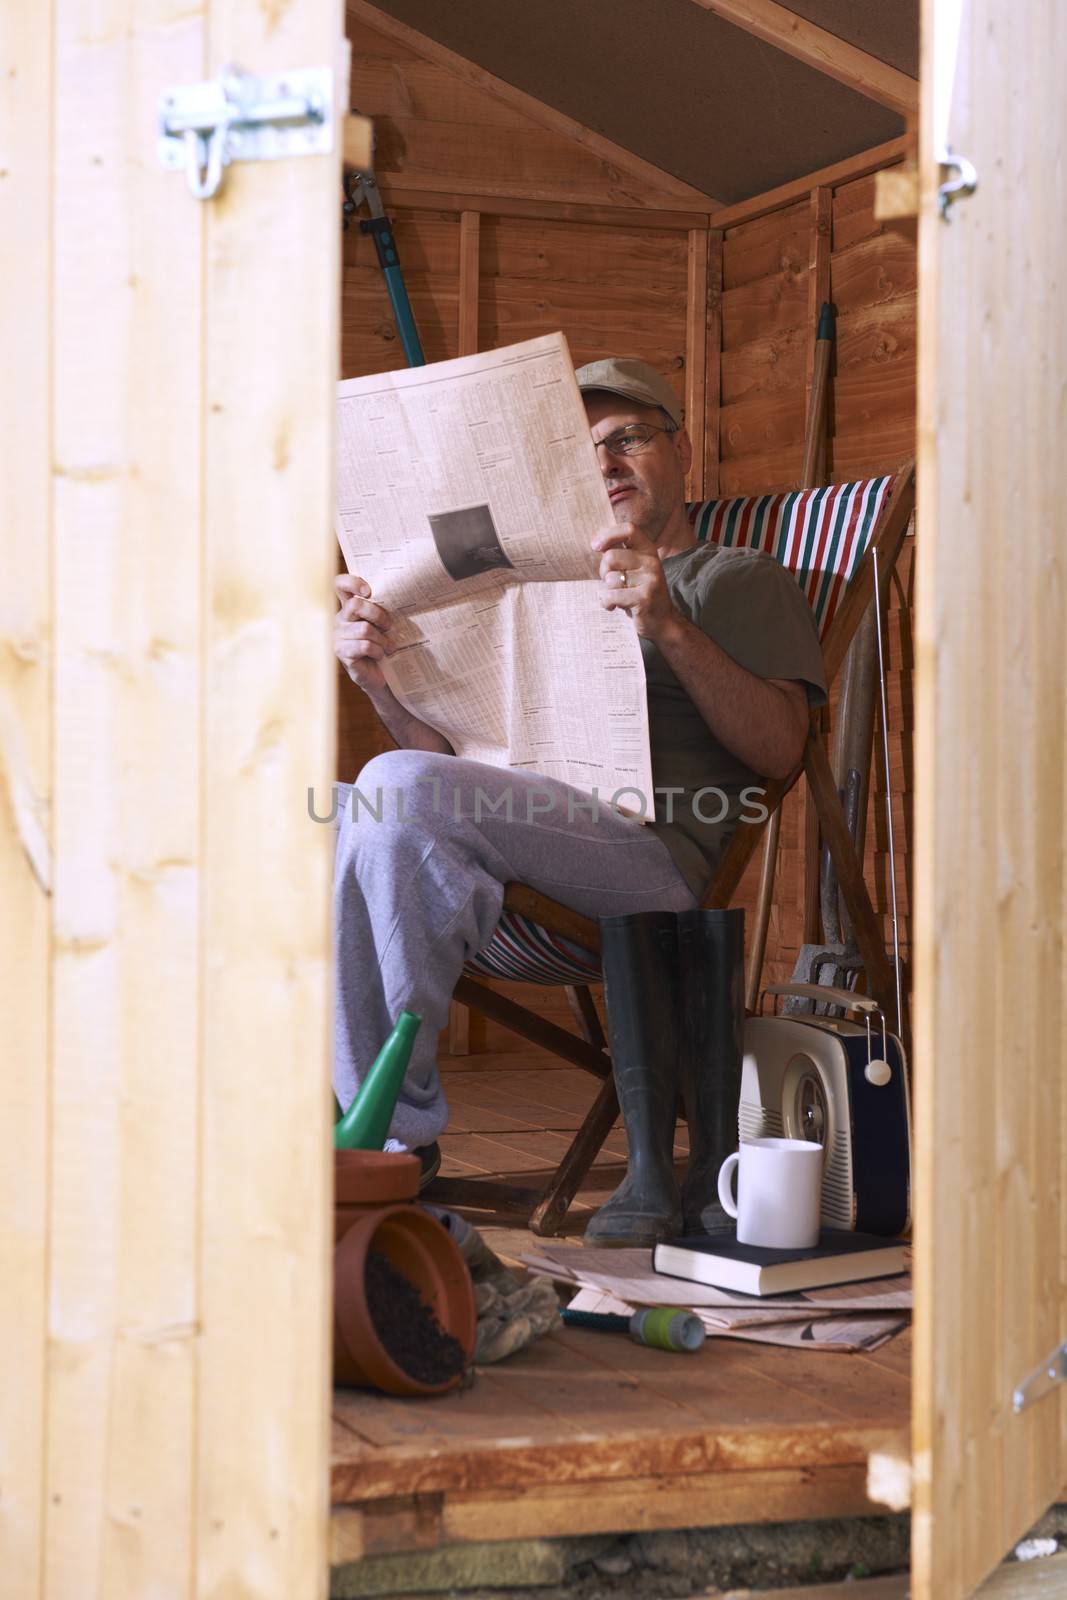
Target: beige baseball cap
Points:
(634, 380)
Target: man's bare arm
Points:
(361, 642)
(762, 721)
(410, 732)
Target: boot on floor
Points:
(640, 963)
(711, 950)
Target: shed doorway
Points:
(511, 221)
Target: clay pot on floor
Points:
(374, 1213)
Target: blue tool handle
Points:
(389, 261)
(405, 319)
(663, 1327)
(601, 1321)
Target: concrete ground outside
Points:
(654, 1566)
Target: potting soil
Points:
(407, 1327)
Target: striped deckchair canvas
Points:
(820, 535)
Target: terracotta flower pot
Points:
(364, 1178)
(374, 1213)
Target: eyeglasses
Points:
(631, 440)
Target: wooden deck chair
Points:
(829, 538)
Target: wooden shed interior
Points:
(604, 170)
(683, 180)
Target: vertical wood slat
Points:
(469, 281)
(713, 364)
(136, 1395)
(459, 1017)
(124, 1181)
(1047, 942)
(819, 239)
(991, 1140)
(25, 781)
(696, 356)
(272, 262)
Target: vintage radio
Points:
(843, 1085)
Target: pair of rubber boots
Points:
(674, 988)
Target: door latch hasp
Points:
(238, 117)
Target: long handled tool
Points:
(362, 188)
(814, 443)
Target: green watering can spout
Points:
(365, 1125)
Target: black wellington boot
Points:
(712, 965)
(640, 963)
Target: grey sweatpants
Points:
(424, 848)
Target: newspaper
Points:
(824, 1331)
(628, 1276)
(468, 495)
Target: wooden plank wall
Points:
(767, 315)
(165, 699)
(625, 271)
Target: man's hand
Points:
(632, 579)
(361, 633)
(361, 642)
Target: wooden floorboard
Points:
(588, 1432)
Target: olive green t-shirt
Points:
(754, 610)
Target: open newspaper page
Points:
(468, 496)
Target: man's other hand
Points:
(631, 579)
(361, 633)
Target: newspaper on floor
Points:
(468, 495)
(822, 1330)
(628, 1276)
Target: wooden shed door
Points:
(990, 818)
(166, 699)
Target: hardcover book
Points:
(718, 1259)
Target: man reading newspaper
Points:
(732, 664)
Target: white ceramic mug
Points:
(779, 1188)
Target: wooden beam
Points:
(450, 182)
(425, 1521)
(801, 39)
(459, 1030)
(547, 1217)
(819, 240)
(696, 356)
(556, 918)
(821, 222)
(469, 228)
(357, 142)
(857, 166)
(452, 194)
(896, 193)
(850, 877)
(543, 115)
(530, 1025)
(474, 1455)
(713, 365)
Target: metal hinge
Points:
(236, 117)
(1048, 1376)
(964, 183)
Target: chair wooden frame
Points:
(588, 1047)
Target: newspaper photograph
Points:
(468, 496)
